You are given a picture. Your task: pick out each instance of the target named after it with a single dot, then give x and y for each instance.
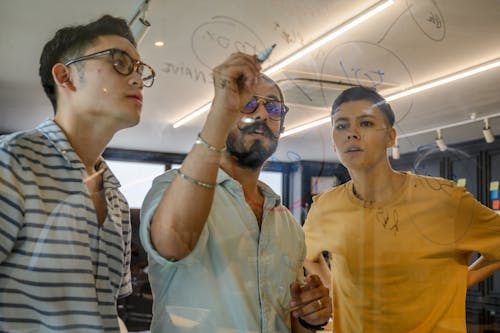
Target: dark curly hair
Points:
(358, 93)
(71, 42)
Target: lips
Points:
(258, 128)
(136, 97)
(353, 150)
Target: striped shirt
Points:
(60, 271)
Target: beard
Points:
(254, 156)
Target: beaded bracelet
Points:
(311, 327)
(194, 181)
(201, 141)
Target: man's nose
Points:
(135, 80)
(261, 112)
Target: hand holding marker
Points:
(261, 57)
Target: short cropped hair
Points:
(360, 93)
(72, 41)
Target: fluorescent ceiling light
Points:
(329, 36)
(448, 79)
(306, 126)
(192, 115)
(435, 83)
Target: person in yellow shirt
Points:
(399, 244)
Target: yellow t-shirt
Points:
(401, 265)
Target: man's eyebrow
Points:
(274, 97)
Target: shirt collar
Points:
(56, 136)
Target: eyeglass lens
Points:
(124, 64)
(274, 108)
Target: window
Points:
(136, 179)
(274, 180)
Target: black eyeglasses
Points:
(123, 64)
(275, 109)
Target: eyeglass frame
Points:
(267, 100)
(136, 64)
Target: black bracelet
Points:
(310, 327)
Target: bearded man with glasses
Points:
(64, 225)
(224, 254)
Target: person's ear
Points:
(391, 137)
(62, 77)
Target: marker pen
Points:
(261, 57)
(264, 54)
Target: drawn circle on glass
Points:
(428, 18)
(369, 64)
(223, 35)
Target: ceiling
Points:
(410, 43)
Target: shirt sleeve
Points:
(151, 202)
(11, 200)
(480, 225)
(314, 236)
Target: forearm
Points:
(182, 213)
(183, 210)
(296, 327)
(480, 270)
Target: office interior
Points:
(437, 62)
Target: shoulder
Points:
(435, 191)
(428, 183)
(15, 147)
(287, 216)
(14, 140)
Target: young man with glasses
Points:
(64, 225)
(224, 254)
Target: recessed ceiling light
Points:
(159, 43)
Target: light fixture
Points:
(488, 135)
(138, 24)
(432, 84)
(440, 141)
(327, 37)
(395, 150)
(159, 43)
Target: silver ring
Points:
(320, 304)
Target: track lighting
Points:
(138, 24)
(488, 135)
(440, 141)
(395, 150)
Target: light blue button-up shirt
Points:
(238, 276)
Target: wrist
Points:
(312, 327)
